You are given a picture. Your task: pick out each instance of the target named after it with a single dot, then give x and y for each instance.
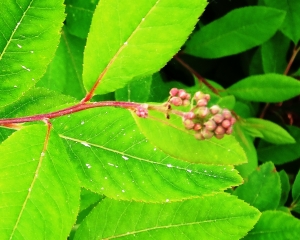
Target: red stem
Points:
(76, 108)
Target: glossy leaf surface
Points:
(29, 34)
(136, 40)
(112, 157)
(191, 219)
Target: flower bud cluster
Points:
(142, 111)
(179, 97)
(208, 122)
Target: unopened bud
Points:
(142, 111)
(202, 102)
(229, 130)
(173, 92)
(207, 134)
(203, 112)
(182, 94)
(188, 123)
(226, 123)
(177, 101)
(232, 120)
(226, 113)
(218, 118)
(210, 125)
(189, 115)
(207, 97)
(219, 136)
(215, 109)
(199, 136)
(199, 95)
(197, 127)
(219, 130)
(186, 102)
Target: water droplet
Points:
(110, 164)
(123, 190)
(167, 200)
(69, 115)
(26, 68)
(125, 43)
(88, 165)
(189, 170)
(105, 177)
(19, 46)
(102, 188)
(82, 122)
(205, 171)
(32, 79)
(85, 144)
(169, 165)
(154, 149)
(31, 51)
(29, 189)
(143, 19)
(42, 154)
(15, 86)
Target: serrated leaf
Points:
(135, 39)
(269, 87)
(79, 16)
(170, 136)
(29, 36)
(280, 154)
(39, 190)
(136, 91)
(64, 73)
(275, 225)
(296, 194)
(36, 101)
(234, 32)
(267, 130)
(291, 21)
(113, 158)
(274, 54)
(285, 187)
(262, 190)
(191, 219)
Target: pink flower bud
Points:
(219, 136)
(202, 102)
(226, 123)
(176, 101)
(188, 123)
(207, 97)
(210, 125)
(173, 92)
(226, 113)
(199, 95)
(142, 111)
(182, 94)
(215, 109)
(203, 112)
(207, 134)
(218, 118)
(199, 136)
(186, 102)
(189, 115)
(232, 120)
(219, 130)
(229, 130)
(197, 127)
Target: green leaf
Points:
(290, 25)
(227, 102)
(136, 40)
(136, 91)
(274, 54)
(234, 33)
(39, 190)
(5, 133)
(64, 73)
(36, 101)
(269, 87)
(275, 225)
(296, 194)
(29, 34)
(113, 158)
(171, 136)
(285, 187)
(280, 154)
(267, 130)
(79, 16)
(88, 198)
(262, 190)
(198, 218)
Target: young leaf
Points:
(290, 25)
(296, 194)
(113, 158)
(262, 190)
(64, 73)
(280, 154)
(200, 218)
(136, 91)
(170, 136)
(29, 34)
(267, 130)
(285, 187)
(234, 32)
(266, 88)
(275, 225)
(79, 16)
(274, 53)
(135, 40)
(39, 190)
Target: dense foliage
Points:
(143, 120)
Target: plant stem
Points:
(76, 108)
(200, 78)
